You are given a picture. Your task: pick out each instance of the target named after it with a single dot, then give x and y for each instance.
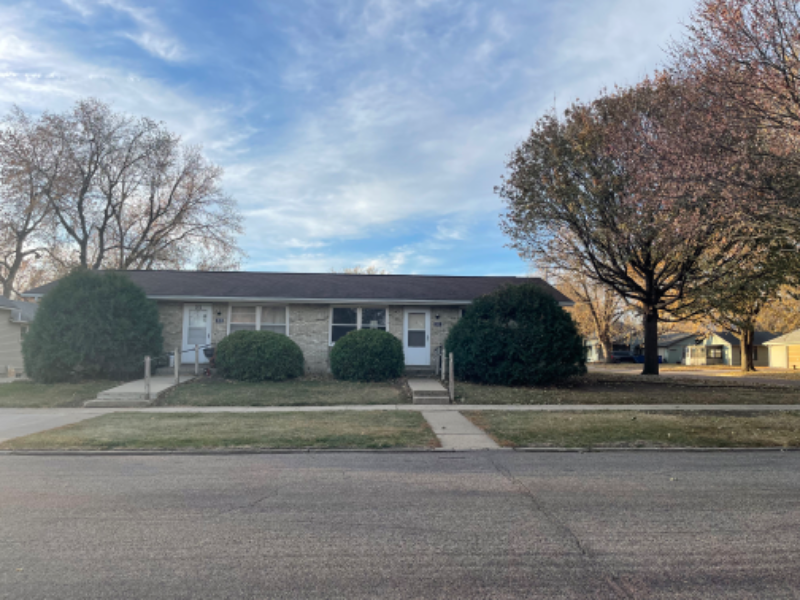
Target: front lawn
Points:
(26, 394)
(148, 431)
(599, 388)
(305, 391)
(618, 429)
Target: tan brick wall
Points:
(171, 316)
(396, 321)
(219, 330)
(308, 327)
(448, 316)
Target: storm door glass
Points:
(416, 330)
(198, 326)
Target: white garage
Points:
(784, 351)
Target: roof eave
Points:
(381, 301)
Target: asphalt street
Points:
(488, 524)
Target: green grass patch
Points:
(623, 429)
(598, 388)
(149, 431)
(26, 394)
(306, 391)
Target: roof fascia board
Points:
(383, 301)
(378, 301)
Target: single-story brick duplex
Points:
(313, 309)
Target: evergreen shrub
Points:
(259, 356)
(92, 325)
(367, 355)
(518, 335)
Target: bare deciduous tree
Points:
(359, 270)
(125, 193)
(598, 309)
(26, 230)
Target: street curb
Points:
(232, 452)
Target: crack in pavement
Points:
(615, 583)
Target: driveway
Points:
(395, 525)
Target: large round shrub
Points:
(92, 325)
(259, 356)
(367, 355)
(518, 335)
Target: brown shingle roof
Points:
(317, 286)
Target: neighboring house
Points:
(671, 346)
(784, 351)
(15, 317)
(594, 349)
(724, 349)
(201, 307)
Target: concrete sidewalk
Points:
(456, 432)
(16, 422)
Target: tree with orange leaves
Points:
(628, 191)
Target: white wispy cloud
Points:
(150, 34)
(405, 109)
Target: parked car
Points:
(622, 356)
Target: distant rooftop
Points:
(20, 311)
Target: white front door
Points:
(417, 336)
(197, 319)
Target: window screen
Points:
(273, 318)
(373, 318)
(347, 319)
(243, 318)
(344, 321)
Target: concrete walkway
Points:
(456, 432)
(132, 394)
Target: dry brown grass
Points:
(642, 430)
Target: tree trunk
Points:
(746, 349)
(650, 341)
(608, 349)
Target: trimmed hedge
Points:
(259, 356)
(518, 335)
(92, 325)
(367, 355)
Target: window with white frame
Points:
(273, 318)
(345, 319)
(258, 318)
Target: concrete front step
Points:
(428, 391)
(118, 403)
(421, 374)
(183, 370)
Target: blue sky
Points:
(351, 131)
